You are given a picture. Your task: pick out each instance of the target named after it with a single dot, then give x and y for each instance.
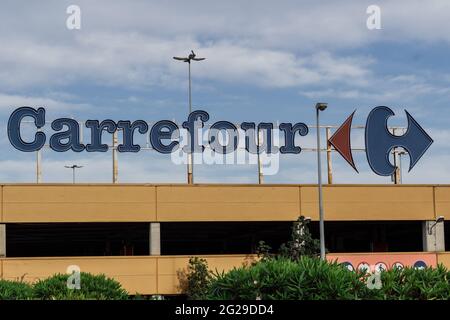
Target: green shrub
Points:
(313, 279)
(284, 279)
(195, 282)
(14, 290)
(97, 287)
(302, 243)
(263, 251)
(415, 284)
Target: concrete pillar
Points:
(2, 240)
(155, 239)
(434, 242)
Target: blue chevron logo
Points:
(379, 141)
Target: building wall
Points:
(143, 275)
(30, 203)
(170, 203)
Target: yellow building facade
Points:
(156, 273)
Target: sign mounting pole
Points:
(190, 156)
(114, 158)
(329, 164)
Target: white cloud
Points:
(278, 69)
(133, 60)
(404, 87)
(97, 168)
(309, 46)
(287, 44)
(272, 44)
(259, 23)
(12, 101)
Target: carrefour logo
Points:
(221, 137)
(380, 141)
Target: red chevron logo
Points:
(341, 141)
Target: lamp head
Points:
(440, 219)
(321, 106)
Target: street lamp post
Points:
(320, 107)
(73, 167)
(188, 59)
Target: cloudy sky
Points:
(266, 61)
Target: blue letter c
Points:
(14, 123)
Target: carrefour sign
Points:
(166, 137)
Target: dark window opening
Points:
(243, 237)
(189, 238)
(371, 236)
(197, 238)
(76, 239)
